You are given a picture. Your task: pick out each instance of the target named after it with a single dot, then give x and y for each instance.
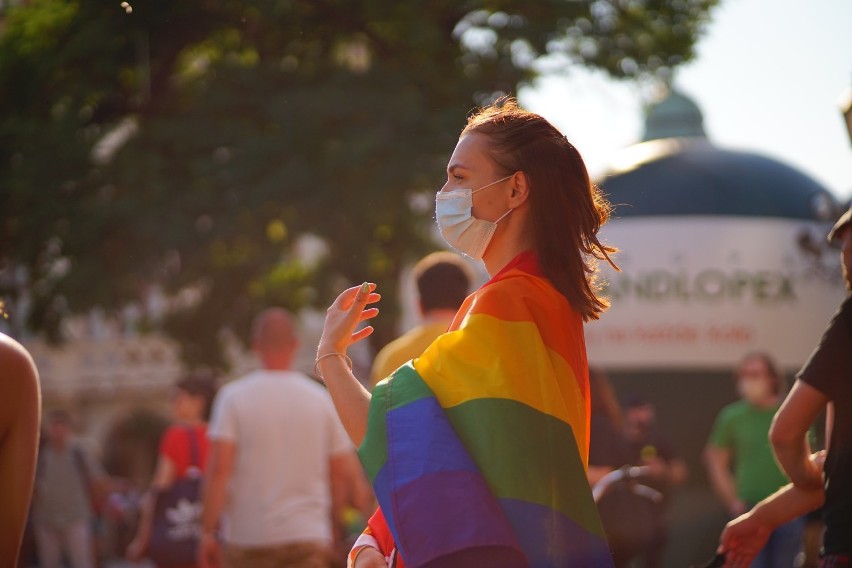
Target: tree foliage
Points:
(193, 145)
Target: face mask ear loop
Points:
(490, 184)
(503, 216)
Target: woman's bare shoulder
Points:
(15, 360)
(18, 372)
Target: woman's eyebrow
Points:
(453, 167)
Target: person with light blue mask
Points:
(478, 448)
(461, 230)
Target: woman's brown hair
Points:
(567, 209)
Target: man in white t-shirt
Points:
(277, 452)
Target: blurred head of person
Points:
(193, 396)
(531, 182)
(639, 414)
(274, 339)
(841, 236)
(58, 427)
(443, 281)
(604, 402)
(758, 379)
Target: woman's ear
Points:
(520, 189)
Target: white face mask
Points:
(463, 232)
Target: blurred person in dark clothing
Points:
(632, 508)
(607, 446)
(649, 446)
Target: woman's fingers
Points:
(356, 295)
(347, 312)
(345, 300)
(362, 333)
(362, 297)
(364, 292)
(369, 313)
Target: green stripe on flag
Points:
(527, 455)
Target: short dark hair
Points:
(201, 383)
(443, 280)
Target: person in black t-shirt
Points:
(632, 513)
(607, 450)
(819, 479)
(648, 445)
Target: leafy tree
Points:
(194, 145)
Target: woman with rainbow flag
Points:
(478, 449)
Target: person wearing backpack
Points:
(176, 484)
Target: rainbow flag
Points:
(478, 449)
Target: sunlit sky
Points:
(769, 77)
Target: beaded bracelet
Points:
(343, 356)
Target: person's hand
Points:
(209, 552)
(344, 315)
(369, 557)
(742, 540)
(657, 467)
(135, 550)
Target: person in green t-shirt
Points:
(739, 457)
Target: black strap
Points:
(194, 452)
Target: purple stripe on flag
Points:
(422, 441)
(549, 538)
(446, 512)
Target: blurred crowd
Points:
(259, 472)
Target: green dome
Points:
(676, 116)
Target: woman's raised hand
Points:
(344, 315)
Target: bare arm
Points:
(164, 477)
(743, 537)
(221, 466)
(351, 399)
(20, 416)
(789, 438)
(219, 471)
(339, 491)
(718, 461)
